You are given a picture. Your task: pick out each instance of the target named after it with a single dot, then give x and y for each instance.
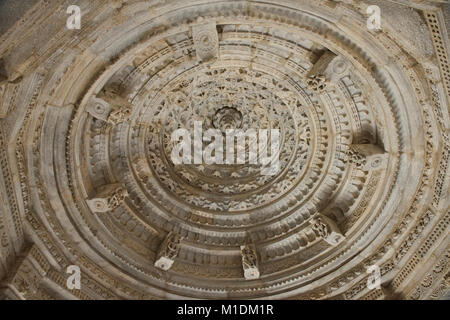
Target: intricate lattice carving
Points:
(367, 157)
(168, 251)
(109, 198)
(325, 228)
(250, 262)
(206, 41)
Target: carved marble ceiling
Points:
(87, 180)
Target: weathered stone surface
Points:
(85, 150)
(250, 262)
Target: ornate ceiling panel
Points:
(88, 178)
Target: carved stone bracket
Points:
(367, 156)
(110, 197)
(206, 41)
(99, 109)
(118, 116)
(250, 262)
(110, 107)
(328, 68)
(168, 251)
(325, 228)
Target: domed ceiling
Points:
(87, 178)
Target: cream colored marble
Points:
(86, 177)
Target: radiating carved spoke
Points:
(250, 262)
(326, 229)
(107, 199)
(206, 41)
(367, 157)
(110, 107)
(168, 251)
